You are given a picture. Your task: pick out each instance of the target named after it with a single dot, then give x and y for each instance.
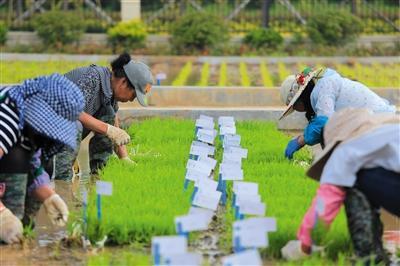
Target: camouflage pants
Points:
(16, 197)
(365, 228)
(100, 149)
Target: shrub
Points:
(59, 27)
(3, 33)
(128, 35)
(198, 32)
(263, 38)
(333, 27)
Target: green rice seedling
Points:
(146, 196)
(284, 187)
(222, 75)
(204, 75)
(266, 76)
(244, 75)
(116, 257)
(183, 75)
(283, 72)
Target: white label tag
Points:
(248, 257)
(202, 123)
(197, 210)
(184, 259)
(169, 245)
(232, 174)
(209, 161)
(252, 208)
(245, 188)
(237, 150)
(211, 149)
(161, 76)
(194, 175)
(207, 199)
(224, 130)
(251, 238)
(232, 157)
(206, 184)
(201, 167)
(199, 150)
(229, 167)
(104, 188)
(231, 140)
(247, 197)
(260, 224)
(206, 117)
(193, 222)
(206, 136)
(225, 120)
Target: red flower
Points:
(300, 79)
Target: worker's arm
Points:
(1, 153)
(91, 123)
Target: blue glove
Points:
(292, 147)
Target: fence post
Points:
(266, 5)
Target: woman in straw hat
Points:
(360, 168)
(103, 88)
(319, 93)
(37, 119)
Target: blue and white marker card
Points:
(229, 167)
(237, 150)
(252, 208)
(206, 117)
(206, 184)
(250, 238)
(161, 76)
(206, 135)
(103, 188)
(199, 150)
(247, 257)
(231, 140)
(225, 130)
(208, 199)
(241, 187)
(203, 123)
(247, 197)
(209, 161)
(194, 175)
(199, 166)
(193, 222)
(231, 157)
(189, 258)
(211, 149)
(260, 224)
(232, 174)
(197, 210)
(169, 245)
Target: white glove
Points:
(117, 135)
(56, 210)
(292, 250)
(11, 229)
(128, 160)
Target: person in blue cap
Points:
(319, 93)
(102, 89)
(37, 119)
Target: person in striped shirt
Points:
(37, 119)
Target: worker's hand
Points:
(11, 229)
(292, 147)
(293, 250)
(56, 210)
(117, 135)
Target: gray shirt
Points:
(95, 84)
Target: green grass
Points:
(119, 258)
(146, 197)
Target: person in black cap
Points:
(37, 119)
(103, 88)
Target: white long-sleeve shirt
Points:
(378, 148)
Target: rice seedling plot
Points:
(146, 197)
(222, 74)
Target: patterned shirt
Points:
(95, 84)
